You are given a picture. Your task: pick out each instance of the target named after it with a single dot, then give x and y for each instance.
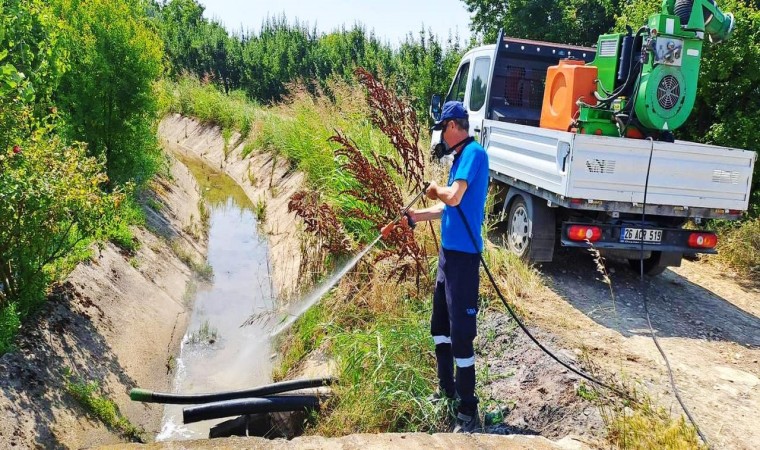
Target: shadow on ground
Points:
(678, 307)
(34, 379)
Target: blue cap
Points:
(451, 110)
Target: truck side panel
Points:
(682, 174)
(610, 169)
(530, 154)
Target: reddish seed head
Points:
(16, 149)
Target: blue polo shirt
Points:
(470, 165)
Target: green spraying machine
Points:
(647, 81)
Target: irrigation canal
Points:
(217, 354)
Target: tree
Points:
(727, 108)
(107, 98)
(178, 25)
(32, 57)
(50, 196)
(564, 21)
(425, 67)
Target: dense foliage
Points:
(76, 107)
(50, 197)
(263, 64)
(107, 97)
(577, 22)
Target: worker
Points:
(455, 299)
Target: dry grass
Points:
(739, 247)
(515, 278)
(646, 426)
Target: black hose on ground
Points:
(525, 329)
(144, 395)
(244, 406)
(644, 291)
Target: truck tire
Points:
(653, 265)
(518, 229)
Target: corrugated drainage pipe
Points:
(144, 395)
(244, 406)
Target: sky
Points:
(390, 19)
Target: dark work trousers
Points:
(453, 325)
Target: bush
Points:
(387, 371)
(50, 203)
(119, 229)
(100, 407)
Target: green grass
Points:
(88, 395)
(205, 334)
(120, 232)
(377, 331)
(300, 128)
(206, 102)
(202, 269)
(260, 210)
(305, 336)
(387, 372)
(10, 322)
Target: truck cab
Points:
(470, 84)
(505, 82)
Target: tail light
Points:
(584, 233)
(703, 240)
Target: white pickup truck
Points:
(581, 189)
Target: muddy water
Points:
(217, 354)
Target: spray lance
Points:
(386, 230)
(323, 288)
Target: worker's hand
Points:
(411, 214)
(408, 221)
(432, 191)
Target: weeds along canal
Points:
(217, 354)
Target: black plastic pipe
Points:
(144, 395)
(243, 406)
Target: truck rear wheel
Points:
(518, 229)
(653, 265)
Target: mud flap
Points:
(544, 230)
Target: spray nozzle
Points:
(386, 230)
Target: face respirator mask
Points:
(445, 154)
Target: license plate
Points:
(640, 234)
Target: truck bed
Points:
(609, 173)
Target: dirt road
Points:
(707, 320)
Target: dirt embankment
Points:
(707, 320)
(117, 320)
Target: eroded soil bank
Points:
(117, 320)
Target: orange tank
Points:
(565, 84)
